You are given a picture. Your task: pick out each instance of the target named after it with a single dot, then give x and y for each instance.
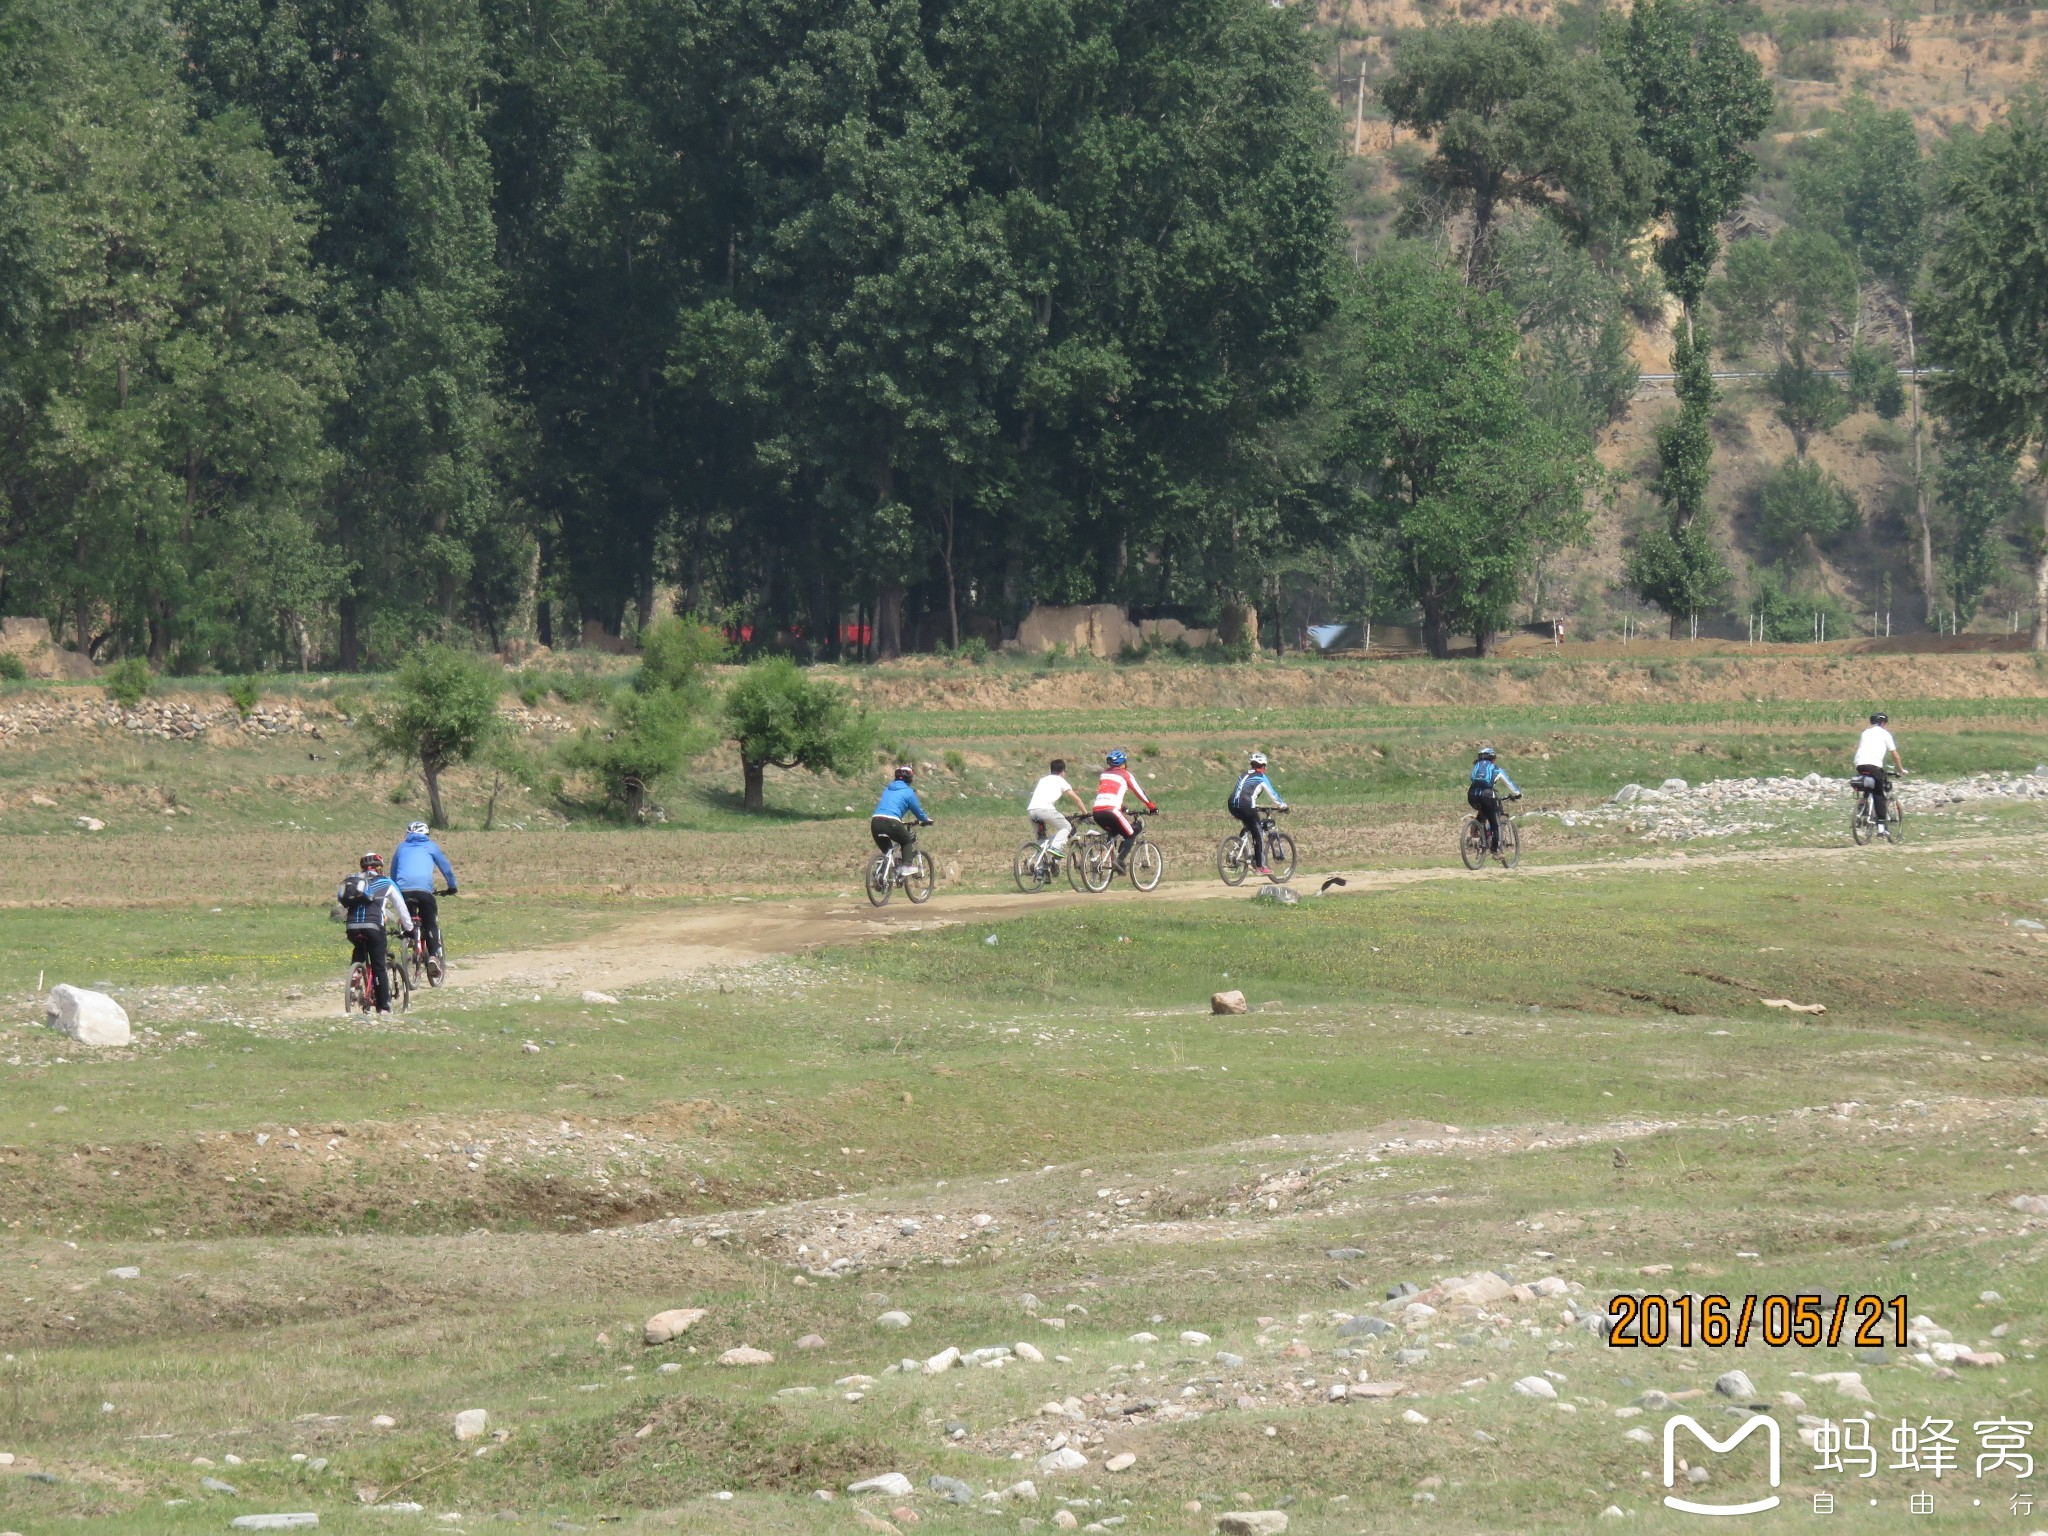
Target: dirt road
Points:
(660, 946)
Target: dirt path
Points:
(660, 946)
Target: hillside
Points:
(1952, 71)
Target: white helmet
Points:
(1258, 759)
(416, 829)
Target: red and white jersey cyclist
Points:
(1116, 782)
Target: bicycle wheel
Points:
(435, 967)
(1472, 842)
(1860, 825)
(1510, 843)
(352, 998)
(401, 987)
(919, 877)
(1101, 866)
(1230, 859)
(1147, 866)
(1029, 869)
(1080, 855)
(881, 882)
(1894, 817)
(1280, 857)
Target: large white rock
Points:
(895, 1484)
(1536, 1386)
(90, 1018)
(672, 1324)
(1252, 1522)
(293, 1520)
(471, 1423)
(1065, 1459)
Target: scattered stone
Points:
(953, 1488)
(893, 1320)
(1190, 1336)
(1640, 1436)
(1065, 1459)
(673, 1323)
(125, 1272)
(2031, 1205)
(599, 997)
(1412, 1417)
(294, 1520)
(215, 1485)
(944, 1360)
(1377, 1389)
(1982, 1359)
(383, 1421)
(746, 1354)
(90, 1018)
(1121, 1461)
(1411, 1357)
(1536, 1386)
(1612, 1512)
(1848, 1383)
(1142, 1338)
(1364, 1327)
(1674, 786)
(1025, 1350)
(89, 823)
(1228, 1361)
(471, 1423)
(894, 1484)
(810, 1341)
(1279, 895)
(1252, 1522)
(1405, 1288)
(1344, 1255)
(1228, 1002)
(1736, 1384)
(1066, 1519)
(1024, 1488)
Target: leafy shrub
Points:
(956, 763)
(1874, 381)
(1786, 615)
(1800, 500)
(1810, 61)
(241, 692)
(12, 668)
(129, 681)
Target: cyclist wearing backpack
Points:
(1117, 781)
(1872, 747)
(888, 825)
(413, 863)
(1482, 793)
(1044, 807)
(367, 898)
(1244, 805)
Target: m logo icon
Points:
(1761, 1421)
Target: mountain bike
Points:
(360, 995)
(1036, 865)
(886, 871)
(1472, 841)
(1863, 824)
(1234, 853)
(1095, 861)
(417, 959)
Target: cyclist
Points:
(1044, 807)
(888, 824)
(413, 863)
(1117, 781)
(1871, 750)
(367, 898)
(1483, 795)
(1244, 805)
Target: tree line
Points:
(330, 325)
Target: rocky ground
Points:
(1676, 811)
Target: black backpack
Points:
(358, 907)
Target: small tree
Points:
(777, 715)
(656, 723)
(440, 708)
(1803, 505)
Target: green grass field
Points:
(1027, 1128)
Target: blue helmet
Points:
(1118, 758)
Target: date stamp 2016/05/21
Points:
(1807, 1322)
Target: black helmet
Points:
(904, 773)
(1880, 718)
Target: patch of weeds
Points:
(129, 681)
(242, 693)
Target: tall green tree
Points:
(1982, 508)
(1465, 485)
(1864, 178)
(163, 380)
(1700, 98)
(1985, 309)
(1794, 296)
(1514, 118)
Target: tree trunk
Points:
(752, 799)
(1927, 582)
(952, 587)
(1481, 640)
(433, 777)
(2040, 639)
(889, 621)
(636, 797)
(351, 656)
(1436, 632)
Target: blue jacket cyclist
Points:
(894, 814)
(1482, 793)
(413, 863)
(1244, 805)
